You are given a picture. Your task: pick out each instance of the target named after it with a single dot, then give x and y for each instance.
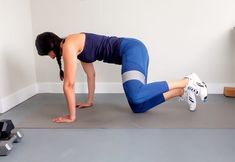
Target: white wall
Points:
(182, 36)
(17, 63)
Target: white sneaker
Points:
(190, 98)
(197, 86)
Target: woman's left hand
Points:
(63, 119)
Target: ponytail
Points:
(58, 53)
(61, 74)
(47, 41)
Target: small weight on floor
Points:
(8, 135)
(7, 145)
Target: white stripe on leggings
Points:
(133, 75)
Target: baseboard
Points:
(81, 88)
(115, 87)
(1, 109)
(218, 88)
(18, 97)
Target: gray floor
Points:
(115, 145)
(113, 111)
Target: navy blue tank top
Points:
(100, 47)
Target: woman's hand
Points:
(83, 105)
(63, 119)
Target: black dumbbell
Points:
(8, 136)
(6, 126)
(7, 145)
(19, 135)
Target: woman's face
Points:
(52, 54)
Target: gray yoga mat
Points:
(112, 111)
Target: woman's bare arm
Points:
(90, 72)
(70, 66)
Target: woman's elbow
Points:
(69, 85)
(91, 76)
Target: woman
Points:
(128, 52)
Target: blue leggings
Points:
(140, 95)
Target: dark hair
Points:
(48, 41)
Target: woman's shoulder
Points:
(74, 40)
(72, 37)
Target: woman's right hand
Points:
(64, 119)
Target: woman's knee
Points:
(138, 108)
(138, 111)
(133, 91)
(135, 98)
